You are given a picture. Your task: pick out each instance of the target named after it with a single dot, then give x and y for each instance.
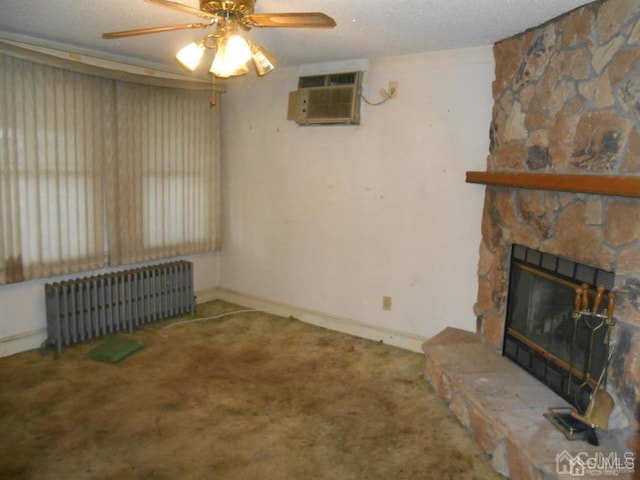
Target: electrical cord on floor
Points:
(193, 320)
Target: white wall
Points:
(22, 306)
(331, 218)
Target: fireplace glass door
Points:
(543, 335)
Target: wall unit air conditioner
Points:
(326, 99)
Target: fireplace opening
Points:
(557, 326)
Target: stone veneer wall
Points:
(567, 100)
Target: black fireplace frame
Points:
(552, 371)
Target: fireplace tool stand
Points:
(573, 423)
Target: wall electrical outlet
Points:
(386, 303)
(393, 88)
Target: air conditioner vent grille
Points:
(334, 103)
(310, 82)
(326, 99)
(334, 79)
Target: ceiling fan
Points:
(232, 51)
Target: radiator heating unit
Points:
(86, 308)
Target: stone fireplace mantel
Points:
(615, 185)
(562, 177)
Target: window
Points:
(167, 165)
(52, 152)
(79, 153)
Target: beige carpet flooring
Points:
(244, 396)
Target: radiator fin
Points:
(86, 308)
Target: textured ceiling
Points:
(365, 28)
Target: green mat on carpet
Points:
(114, 350)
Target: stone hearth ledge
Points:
(503, 405)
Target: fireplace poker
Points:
(576, 317)
(610, 308)
(598, 300)
(594, 315)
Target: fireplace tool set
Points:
(582, 421)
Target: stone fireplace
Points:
(567, 101)
(566, 107)
(559, 321)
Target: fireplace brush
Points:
(600, 405)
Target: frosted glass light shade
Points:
(231, 57)
(191, 55)
(238, 50)
(219, 69)
(262, 61)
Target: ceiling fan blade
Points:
(290, 20)
(144, 31)
(182, 8)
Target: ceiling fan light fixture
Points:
(190, 55)
(232, 52)
(231, 57)
(237, 50)
(225, 71)
(262, 60)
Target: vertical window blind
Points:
(97, 172)
(164, 194)
(54, 132)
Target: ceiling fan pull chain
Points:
(213, 100)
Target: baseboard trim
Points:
(33, 339)
(344, 325)
(22, 342)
